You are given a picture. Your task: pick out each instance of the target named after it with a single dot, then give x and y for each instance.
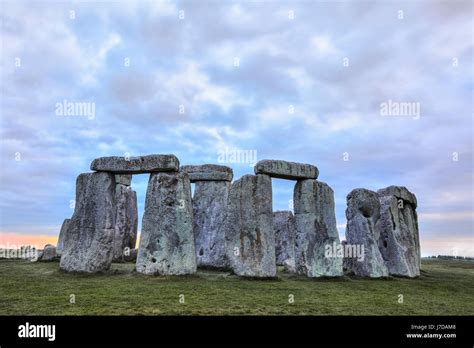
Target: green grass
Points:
(444, 288)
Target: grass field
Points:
(444, 288)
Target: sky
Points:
(305, 81)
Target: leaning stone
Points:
(209, 209)
(126, 221)
(285, 231)
(363, 213)
(249, 229)
(167, 241)
(123, 179)
(317, 237)
(399, 241)
(48, 254)
(208, 172)
(136, 165)
(62, 234)
(286, 170)
(89, 238)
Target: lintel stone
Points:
(286, 170)
(136, 165)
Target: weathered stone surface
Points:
(399, 241)
(209, 209)
(48, 253)
(167, 241)
(285, 233)
(347, 261)
(316, 230)
(400, 192)
(62, 234)
(286, 170)
(123, 179)
(136, 165)
(126, 221)
(249, 228)
(89, 238)
(363, 213)
(208, 172)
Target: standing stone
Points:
(286, 170)
(399, 192)
(399, 241)
(48, 254)
(123, 179)
(249, 229)
(62, 234)
(285, 232)
(316, 230)
(136, 165)
(89, 238)
(167, 240)
(363, 213)
(209, 209)
(126, 221)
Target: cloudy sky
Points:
(297, 80)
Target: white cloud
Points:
(322, 45)
(192, 87)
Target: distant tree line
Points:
(451, 257)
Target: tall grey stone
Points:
(286, 170)
(285, 233)
(399, 241)
(316, 230)
(167, 241)
(208, 172)
(88, 241)
(136, 165)
(209, 209)
(363, 213)
(126, 221)
(249, 229)
(62, 234)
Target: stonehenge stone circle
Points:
(208, 172)
(285, 233)
(126, 221)
(250, 237)
(136, 165)
(88, 243)
(286, 170)
(232, 225)
(397, 227)
(62, 235)
(315, 230)
(167, 241)
(363, 213)
(209, 209)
